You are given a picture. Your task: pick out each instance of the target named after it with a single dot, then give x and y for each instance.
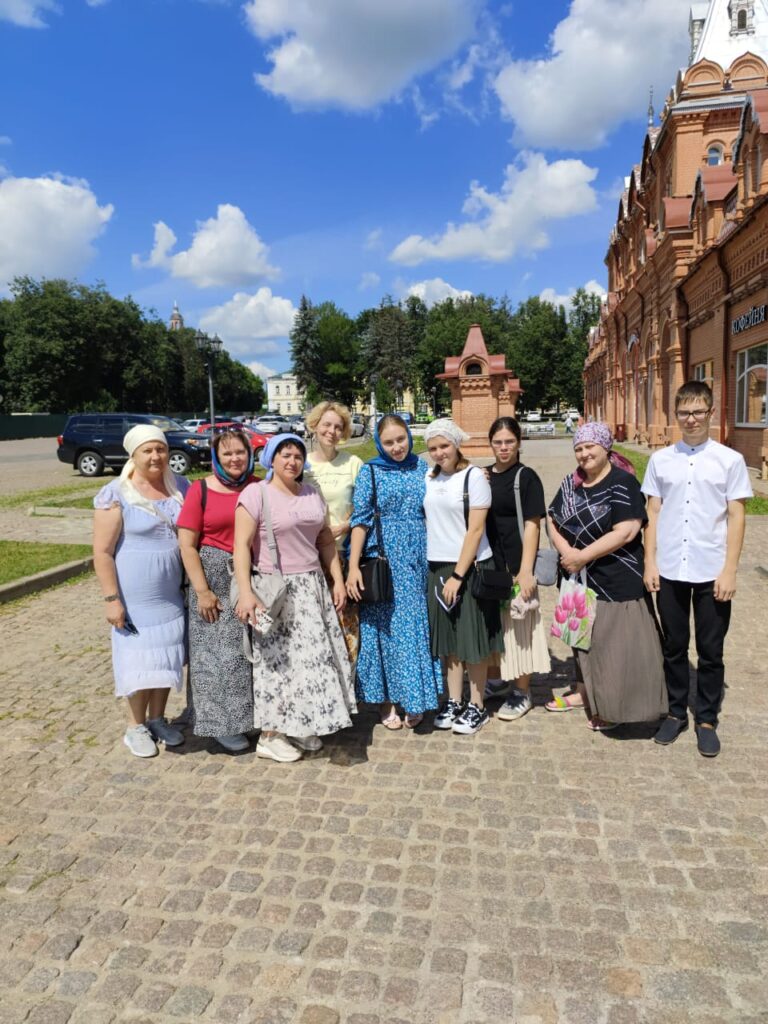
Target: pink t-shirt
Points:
(296, 521)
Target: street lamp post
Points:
(434, 402)
(209, 347)
(373, 381)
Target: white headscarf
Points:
(448, 429)
(137, 436)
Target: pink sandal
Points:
(392, 720)
(570, 702)
(411, 721)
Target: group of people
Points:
(275, 623)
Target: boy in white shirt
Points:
(696, 492)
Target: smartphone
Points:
(261, 622)
(129, 627)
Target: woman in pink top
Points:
(219, 673)
(302, 680)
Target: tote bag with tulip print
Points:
(575, 613)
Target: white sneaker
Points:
(139, 741)
(517, 704)
(277, 748)
(309, 743)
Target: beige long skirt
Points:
(623, 671)
(525, 645)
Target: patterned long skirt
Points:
(219, 673)
(302, 679)
(349, 619)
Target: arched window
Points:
(474, 370)
(741, 21)
(715, 155)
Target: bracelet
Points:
(455, 576)
(112, 597)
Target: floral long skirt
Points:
(303, 682)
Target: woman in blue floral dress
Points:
(395, 665)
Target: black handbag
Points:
(376, 572)
(487, 584)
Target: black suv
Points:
(93, 440)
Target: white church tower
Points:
(723, 30)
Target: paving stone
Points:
(231, 1009)
(76, 983)
(188, 1001)
(152, 996)
(319, 1015)
(52, 1012)
(40, 979)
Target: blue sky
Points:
(234, 155)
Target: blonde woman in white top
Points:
(333, 473)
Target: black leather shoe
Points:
(670, 730)
(707, 741)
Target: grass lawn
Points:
(23, 558)
(59, 495)
(757, 506)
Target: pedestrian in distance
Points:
(138, 566)
(569, 424)
(696, 491)
(395, 668)
(219, 673)
(465, 631)
(596, 518)
(515, 544)
(302, 679)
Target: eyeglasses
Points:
(503, 444)
(698, 414)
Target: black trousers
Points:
(711, 620)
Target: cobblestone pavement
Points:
(534, 874)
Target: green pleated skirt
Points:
(471, 631)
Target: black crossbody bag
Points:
(376, 572)
(487, 584)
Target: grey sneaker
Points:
(164, 733)
(139, 741)
(309, 743)
(515, 706)
(234, 744)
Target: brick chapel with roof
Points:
(688, 255)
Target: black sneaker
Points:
(670, 730)
(448, 713)
(471, 720)
(707, 741)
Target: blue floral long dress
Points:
(395, 661)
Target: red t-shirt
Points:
(217, 527)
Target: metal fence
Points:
(13, 428)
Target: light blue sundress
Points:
(395, 662)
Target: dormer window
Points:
(474, 370)
(742, 13)
(715, 155)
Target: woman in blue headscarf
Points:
(395, 667)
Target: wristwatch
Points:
(455, 576)
(112, 597)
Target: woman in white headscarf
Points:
(138, 566)
(465, 631)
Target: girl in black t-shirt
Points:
(596, 518)
(525, 640)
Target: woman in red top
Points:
(219, 674)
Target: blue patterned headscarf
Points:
(385, 461)
(275, 442)
(218, 470)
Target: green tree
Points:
(338, 376)
(306, 358)
(582, 317)
(537, 334)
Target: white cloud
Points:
(370, 279)
(355, 53)
(225, 251)
(249, 324)
(435, 290)
(5, 140)
(261, 369)
(513, 219)
(26, 13)
(48, 226)
(373, 239)
(603, 56)
(96, 3)
(591, 287)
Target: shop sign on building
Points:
(751, 318)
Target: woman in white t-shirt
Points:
(464, 631)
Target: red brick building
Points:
(688, 256)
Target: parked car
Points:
(296, 424)
(533, 417)
(573, 413)
(272, 425)
(358, 424)
(93, 441)
(258, 441)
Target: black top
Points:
(502, 528)
(584, 514)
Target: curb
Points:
(43, 580)
(60, 511)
